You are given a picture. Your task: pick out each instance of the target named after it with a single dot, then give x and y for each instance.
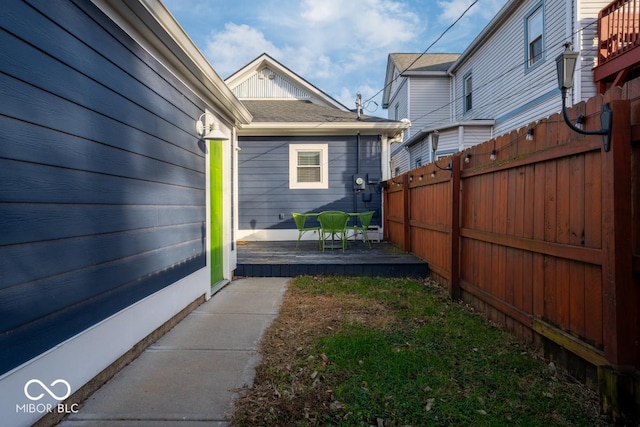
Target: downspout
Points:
(355, 193)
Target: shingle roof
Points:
(289, 111)
(424, 62)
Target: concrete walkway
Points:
(189, 376)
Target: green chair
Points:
(300, 220)
(364, 219)
(333, 224)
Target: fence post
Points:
(620, 290)
(454, 283)
(406, 214)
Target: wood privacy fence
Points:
(543, 238)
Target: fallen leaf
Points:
(430, 403)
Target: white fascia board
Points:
(386, 94)
(323, 128)
(425, 74)
(153, 27)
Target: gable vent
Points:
(268, 84)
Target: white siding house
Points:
(417, 87)
(506, 78)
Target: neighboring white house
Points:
(504, 80)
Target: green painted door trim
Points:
(216, 220)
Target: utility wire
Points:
(425, 51)
(500, 76)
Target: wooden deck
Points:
(282, 259)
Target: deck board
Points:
(282, 259)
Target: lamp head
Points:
(566, 65)
(435, 138)
(209, 130)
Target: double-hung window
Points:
(468, 91)
(308, 166)
(535, 36)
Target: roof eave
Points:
(155, 24)
(321, 128)
(426, 131)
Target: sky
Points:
(339, 46)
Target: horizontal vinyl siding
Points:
(400, 160)
(503, 89)
(430, 101)
(589, 45)
(501, 83)
(263, 170)
(103, 182)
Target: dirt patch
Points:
(303, 318)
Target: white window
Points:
(468, 90)
(535, 39)
(308, 166)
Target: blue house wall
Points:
(263, 180)
(102, 180)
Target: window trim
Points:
(465, 95)
(538, 8)
(323, 149)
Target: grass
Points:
(396, 352)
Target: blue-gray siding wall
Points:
(102, 180)
(263, 180)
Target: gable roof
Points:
(302, 111)
(303, 117)
(283, 103)
(266, 78)
(415, 64)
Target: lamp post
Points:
(565, 65)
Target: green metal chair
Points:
(333, 224)
(300, 220)
(364, 219)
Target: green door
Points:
(215, 158)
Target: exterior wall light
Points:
(435, 138)
(209, 130)
(566, 64)
(529, 136)
(467, 159)
(493, 155)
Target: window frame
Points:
(323, 149)
(467, 95)
(536, 11)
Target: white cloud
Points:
(235, 46)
